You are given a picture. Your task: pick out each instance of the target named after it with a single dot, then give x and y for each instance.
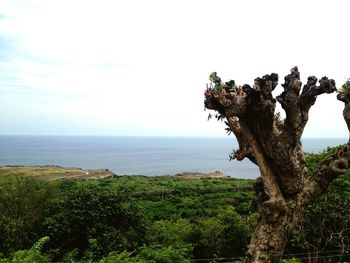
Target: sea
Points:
(148, 156)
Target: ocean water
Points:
(136, 155)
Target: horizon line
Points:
(148, 135)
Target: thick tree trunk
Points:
(278, 218)
(270, 237)
(268, 242)
(280, 215)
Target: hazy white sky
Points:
(140, 67)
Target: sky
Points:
(135, 67)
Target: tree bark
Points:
(270, 238)
(284, 189)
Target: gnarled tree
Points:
(283, 190)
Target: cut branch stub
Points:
(261, 91)
(297, 105)
(344, 93)
(344, 96)
(308, 95)
(311, 91)
(225, 98)
(289, 100)
(331, 167)
(291, 87)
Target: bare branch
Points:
(245, 150)
(271, 186)
(330, 168)
(310, 93)
(226, 100)
(261, 104)
(297, 107)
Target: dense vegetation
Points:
(156, 219)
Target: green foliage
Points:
(29, 256)
(123, 257)
(154, 219)
(313, 159)
(32, 255)
(94, 219)
(170, 233)
(345, 87)
(71, 256)
(151, 254)
(166, 254)
(226, 235)
(292, 260)
(23, 201)
(175, 210)
(326, 222)
(235, 235)
(41, 243)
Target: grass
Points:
(55, 172)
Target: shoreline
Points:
(57, 172)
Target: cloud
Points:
(143, 65)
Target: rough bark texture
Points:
(284, 190)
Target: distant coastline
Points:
(56, 172)
(132, 155)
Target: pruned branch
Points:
(244, 150)
(337, 163)
(271, 186)
(311, 91)
(297, 105)
(330, 168)
(225, 100)
(289, 100)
